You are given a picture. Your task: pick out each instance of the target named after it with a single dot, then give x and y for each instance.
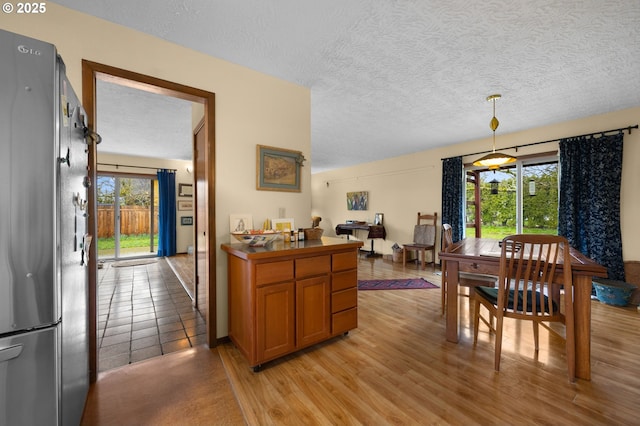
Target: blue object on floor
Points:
(613, 292)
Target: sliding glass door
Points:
(522, 198)
(127, 216)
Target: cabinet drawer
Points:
(344, 321)
(345, 299)
(274, 272)
(344, 261)
(310, 266)
(344, 280)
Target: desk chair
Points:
(529, 289)
(424, 239)
(465, 279)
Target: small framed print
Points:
(185, 190)
(186, 220)
(185, 205)
(239, 222)
(282, 224)
(379, 219)
(358, 200)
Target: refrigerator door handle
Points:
(7, 354)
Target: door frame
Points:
(91, 71)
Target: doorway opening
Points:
(94, 72)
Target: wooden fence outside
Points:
(134, 220)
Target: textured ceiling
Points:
(139, 123)
(393, 77)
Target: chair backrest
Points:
(428, 219)
(530, 279)
(447, 237)
(425, 233)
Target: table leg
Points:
(371, 252)
(452, 301)
(582, 321)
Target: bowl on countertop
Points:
(256, 238)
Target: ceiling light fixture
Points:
(496, 159)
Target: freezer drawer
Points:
(28, 390)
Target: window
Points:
(521, 198)
(127, 215)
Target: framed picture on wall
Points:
(185, 205)
(185, 190)
(278, 169)
(186, 220)
(357, 200)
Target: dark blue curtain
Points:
(452, 187)
(167, 213)
(589, 210)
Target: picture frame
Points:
(379, 219)
(278, 169)
(186, 221)
(283, 223)
(185, 205)
(239, 222)
(357, 200)
(185, 190)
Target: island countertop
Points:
(287, 296)
(280, 247)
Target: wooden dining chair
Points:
(465, 279)
(424, 239)
(529, 289)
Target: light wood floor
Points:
(182, 265)
(396, 368)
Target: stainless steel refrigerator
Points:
(44, 364)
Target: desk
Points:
(374, 231)
(469, 255)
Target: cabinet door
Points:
(313, 315)
(275, 320)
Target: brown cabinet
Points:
(285, 297)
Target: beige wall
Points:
(251, 108)
(402, 186)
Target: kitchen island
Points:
(286, 296)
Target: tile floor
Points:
(143, 312)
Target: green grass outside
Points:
(499, 232)
(126, 241)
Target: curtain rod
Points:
(621, 129)
(136, 167)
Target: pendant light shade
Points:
(496, 159)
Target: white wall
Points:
(402, 186)
(251, 108)
(184, 234)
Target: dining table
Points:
(482, 255)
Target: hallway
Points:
(143, 312)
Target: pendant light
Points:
(496, 159)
